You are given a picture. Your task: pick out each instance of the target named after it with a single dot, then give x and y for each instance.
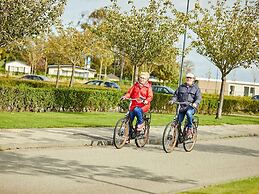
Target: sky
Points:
(202, 66)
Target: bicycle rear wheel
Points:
(170, 137)
(142, 138)
(189, 143)
(121, 133)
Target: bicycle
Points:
(174, 134)
(121, 130)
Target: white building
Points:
(17, 66)
(232, 88)
(66, 70)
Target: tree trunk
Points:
(221, 97)
(101, 67)
(58, 75)
(135, 74)
(122, 66)
(105, 72)
(72, 76)
(46, 66)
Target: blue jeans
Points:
(137, 112)
(189, 113)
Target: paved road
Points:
(74, 137)
(129, 170)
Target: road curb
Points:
(101, 143)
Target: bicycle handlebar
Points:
(136, 99)
(185, 103)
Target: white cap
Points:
(190, 75)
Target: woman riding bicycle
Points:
(142, 91)
(187, 92)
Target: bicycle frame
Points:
(175, 134)
(141, 137)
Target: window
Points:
(246, 91)
(232, 90)
(252, 91)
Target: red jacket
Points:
(143, 91)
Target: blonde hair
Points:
(145, 74)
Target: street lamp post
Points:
(183, 51)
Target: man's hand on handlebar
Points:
(194, 105)
(171, 102)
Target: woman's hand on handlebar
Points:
(123, 98)
(136, 99)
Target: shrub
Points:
(24, 98)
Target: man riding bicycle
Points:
(142, 91)
(187, 92)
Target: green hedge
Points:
(23, 98)
(51, 99)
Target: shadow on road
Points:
(17, 163)
(226, 149)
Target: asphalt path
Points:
(128, 170)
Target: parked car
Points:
(162, 89)
(107, 84)
(255, 97)
(35, 77)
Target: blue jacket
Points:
(186, 93)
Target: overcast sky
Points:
(202, 67)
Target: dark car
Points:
(107, 84)
(256, 97)
(35, 77)
(162, 89)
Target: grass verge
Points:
(246, 186)
(99, 119)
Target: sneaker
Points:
(127, 141)
(140, 127)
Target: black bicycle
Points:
(174, 134)
(122, 128)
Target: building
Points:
(66, 70)
(17, 67)
(233, 88)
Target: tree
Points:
(100, 50)
(24, 18)
(166, 67)
(228, 37)
(141, 34)
(188, 66)
(33, 52)
(70, 46)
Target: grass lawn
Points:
(99, 119)
(247, 186)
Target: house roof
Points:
(19, 63)
(113, 77)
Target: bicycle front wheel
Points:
(121, 133)
(170, 137)
(189, 142)
(142, 138)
